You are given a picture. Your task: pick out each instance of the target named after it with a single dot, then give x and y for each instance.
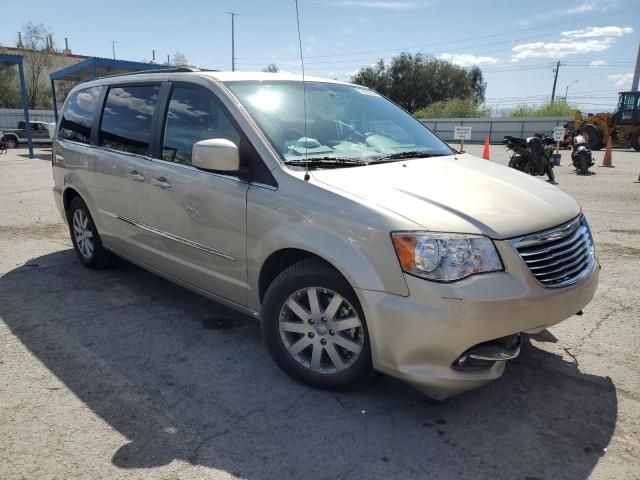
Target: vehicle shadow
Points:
(184, 378)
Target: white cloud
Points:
(584, 7)
(591, 32)
(621, 79)
(579, 9)
(379, 4)
(465, 59)
(559, 49)
(598, 63)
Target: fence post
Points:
(490, 129)
(522, 129)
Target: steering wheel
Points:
(352, 131)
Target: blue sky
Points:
(514, 42)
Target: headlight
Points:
(445, 257)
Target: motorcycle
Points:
(581, 155)
(531, 155)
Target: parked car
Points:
(15, 136)
(359, 239)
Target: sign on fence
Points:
(462, 133)
(558, 134)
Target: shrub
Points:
(453, 108)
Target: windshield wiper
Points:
(402, 155)
(327, 162)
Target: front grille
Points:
(560, 256)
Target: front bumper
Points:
(418, 338)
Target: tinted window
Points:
(78, 115)
(126, 120)
(193, 115)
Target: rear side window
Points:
(77, 117)
(126, 119)
(193, 115)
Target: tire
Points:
(550, 174)
(85, 237)
(635, 140)
(517, 162)
(584, 165)
(592, 136)
(10, 141)
(313, 350)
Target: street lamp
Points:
(566, 91)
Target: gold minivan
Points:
(359, 239)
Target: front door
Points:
(198, 217)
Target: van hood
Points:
(458, 194)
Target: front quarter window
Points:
(345, 124)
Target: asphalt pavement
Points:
(119, 374)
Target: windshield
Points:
(345, 125)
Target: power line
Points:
(391, 49)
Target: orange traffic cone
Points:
(485, 153)
(606, 161)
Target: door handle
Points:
(161, 182)
(135, 176)
(59, 159)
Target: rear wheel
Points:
(85, 237)
(585, 163)
(592, 136)
(10, 141)
(315, 329)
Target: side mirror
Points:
(216, 154)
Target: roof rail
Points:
(161, 70)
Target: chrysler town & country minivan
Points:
(359, 239)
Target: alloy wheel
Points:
(83, 233)
(321, 330)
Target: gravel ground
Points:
(120, 374)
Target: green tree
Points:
(416, 81)
(179, 59)
(10, 88)
(453, 108)
(550, 109)
(271, 68)
(37, 60)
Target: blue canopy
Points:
(8, 60)
(95, 67)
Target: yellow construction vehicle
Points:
(623, 126)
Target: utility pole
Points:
(113, 48)
(566, 90)
(636, 74)
(555, 80)
(233, 41)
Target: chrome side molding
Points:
(171, 236)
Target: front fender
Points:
(368, 265)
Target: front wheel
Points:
(315, 329)
(549, 172)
